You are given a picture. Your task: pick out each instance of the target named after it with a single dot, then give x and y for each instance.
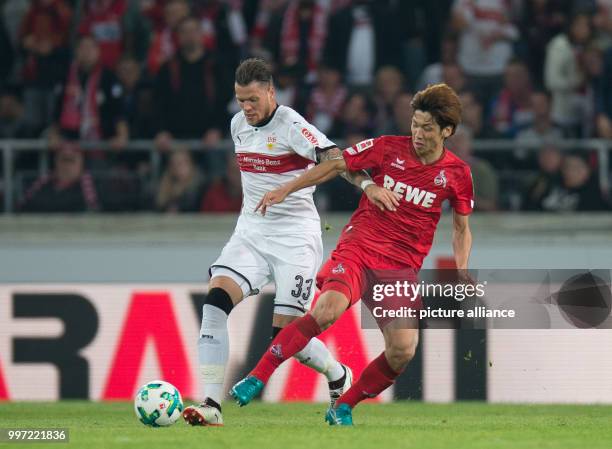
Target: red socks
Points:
(376, 378)
(291, 340)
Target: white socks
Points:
(213, 352)
(316, 356)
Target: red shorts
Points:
(387, 287)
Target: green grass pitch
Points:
(284, 426)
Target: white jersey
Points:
(271, 155)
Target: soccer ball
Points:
(158, 404)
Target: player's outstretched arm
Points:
(325, 171)
(382, 198)
(462, 244)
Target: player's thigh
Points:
(294, 262)
(243, 264)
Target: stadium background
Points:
(95, 303)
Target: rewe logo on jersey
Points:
(418, 197)
(440, 180)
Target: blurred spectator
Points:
(326, 99)
(563, 74)
(433, 73)
(136, 99)
(576, 190)
(225, 193)
(69, 188)
(542, 129)
(164, 41)
(358, 117)
(12, 119)
(140, 20)
(223, 28)
(297, 36)
(486, 184)
(471, 116)
(485, 44)
(190, 92)
(454, 77)
(511, 110)
(7, 55)
(90, 106)
(103, 20)
(401, 123)
(594, 92)
(389, 83)
(604, 105)
(13, 12)
(541, 20)
(602, 22)
(258, 14)
(287, 81)
(44, 35)
(549, 166)
(362, 38)
(180, 188)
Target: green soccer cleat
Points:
(245, 390)
(341, 416)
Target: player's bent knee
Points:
(400, 354)
(220, 299)
(229, 286)
(328, 309)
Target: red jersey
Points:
(403, 237)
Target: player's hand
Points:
(270, 198)
(464, 277)
(382, 198)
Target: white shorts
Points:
(291, 261)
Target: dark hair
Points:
(253, 69)
(442, 102)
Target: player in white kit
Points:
(274, 144)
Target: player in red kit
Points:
(378, 246)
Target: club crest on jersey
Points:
(399, 163)
(310, 136)
(440, 180)
(276, 351)
(271, 141)
(338, 269)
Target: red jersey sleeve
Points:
(463, 199)
(365, 154)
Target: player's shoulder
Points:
(452, 160)
(394, 140)
(290, 119)
(289, 115)
(454, 164)
(238, 121)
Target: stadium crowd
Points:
(533, 71)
